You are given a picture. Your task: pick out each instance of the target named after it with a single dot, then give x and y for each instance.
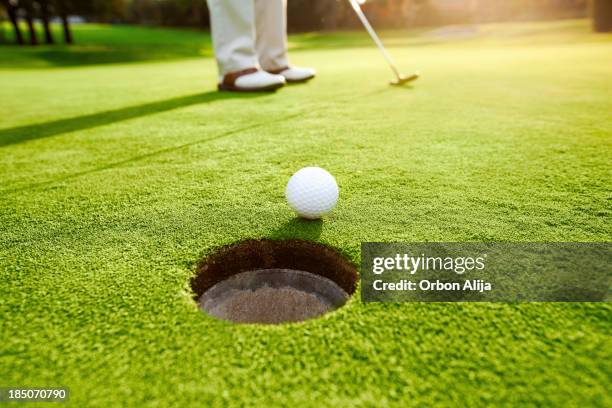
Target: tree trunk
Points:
(67, 33)
(44, 14)
(602, 16)
(30, 20)
(63, 12)
(12, 13)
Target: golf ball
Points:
(312, 192)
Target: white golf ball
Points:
(312, 192)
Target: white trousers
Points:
(249, 33)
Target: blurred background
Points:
(28, 22)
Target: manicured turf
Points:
(117, 178)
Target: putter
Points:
(400, 79)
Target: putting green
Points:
(121, 168)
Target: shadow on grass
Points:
(47, 129)
(295, 228)
(97, 44)
(102, 55)
(299, 228)
(152, 154)
(85, 55)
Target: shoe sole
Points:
(231, 88)
(299, 81)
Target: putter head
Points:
(404, 79)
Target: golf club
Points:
(400, 79)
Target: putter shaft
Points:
(375, 38)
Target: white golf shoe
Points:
(295, 74)
(251, 80)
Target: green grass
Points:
(119, 174)
(97, 44)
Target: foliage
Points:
(314, 15)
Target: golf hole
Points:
(272, 282)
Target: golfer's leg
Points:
(233, 34)
(271, 33)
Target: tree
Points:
(44, 15)
(11, 10)
(602, 15)
(2, 18)
(63, 10)
(96, 10)
(28, 7)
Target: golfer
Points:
(250, 41)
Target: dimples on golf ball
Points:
(312, 192)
